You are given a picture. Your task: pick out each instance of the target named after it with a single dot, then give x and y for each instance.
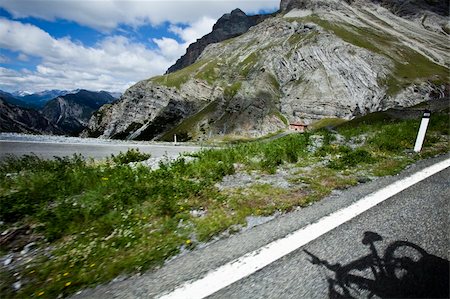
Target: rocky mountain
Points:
(315, 59)
(71, 112)
(228, 26)
(64, 115)
(11, 99)
(22, 120)
(39, 99)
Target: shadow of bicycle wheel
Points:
(405, 270)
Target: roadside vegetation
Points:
(76, 223)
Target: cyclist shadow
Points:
(404, 271)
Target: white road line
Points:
(251, 262)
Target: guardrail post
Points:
(422, 131)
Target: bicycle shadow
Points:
(404, 271)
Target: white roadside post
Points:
(175, 139)
(422, 131)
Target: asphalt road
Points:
(48, 150)
(413, 224)
(408, 232)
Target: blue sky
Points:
(101, 44)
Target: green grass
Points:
(282, 118)
(297, 38)
(231, 90)
(351, 158)
(104, 219)
(202, 70)
(208, 72)
(412, 66)
(274, 82)
(180, 77)
(327, 123)
(363, 37)
(248, 64)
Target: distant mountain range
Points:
(24, 120)
(50, 112)
(38, 100)
(71, 112)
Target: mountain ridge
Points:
(71, 112)
(66, 114)
(228, 26)
(322, 59)
(25, 120)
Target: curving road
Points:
(48, 149)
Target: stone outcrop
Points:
(317, 59)
(228, 26)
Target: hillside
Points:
(314, 60)
(67, 114)
(11, 99)
(71, 112)
(22, 120)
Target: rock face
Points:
(149, 109)
(72, 112)
(317, 59)
(398, 7)
(287, 5)
(430, 13)
(22, 120)
(228, 26)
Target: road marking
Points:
(251, 262)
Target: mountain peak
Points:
(238, 11)
(228, 26)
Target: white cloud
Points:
(115, 62)
(112, 64)
(172, 49)
(105, 15)
(22, 57)
(195, 30)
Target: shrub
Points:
(396, 137)
(132, 155)
(351, 158)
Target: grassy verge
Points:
(92, 221)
